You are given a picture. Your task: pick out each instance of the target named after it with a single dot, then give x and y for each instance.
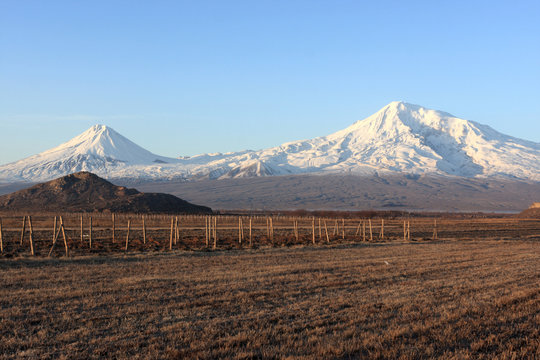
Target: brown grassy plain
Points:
(409, 300)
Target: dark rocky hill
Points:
(532, 212)
(86, 192)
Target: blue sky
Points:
(187, 77)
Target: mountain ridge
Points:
(399, 138)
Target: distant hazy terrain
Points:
(12, 187)
(350, 192)
(345, 192)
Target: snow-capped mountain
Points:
(400, 138)
(408, 138)
(99, 149)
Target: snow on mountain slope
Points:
(408, 138)
(398, 138)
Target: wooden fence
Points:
(79, 234)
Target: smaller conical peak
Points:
(99, 133)
(99, 129)
(102, 141)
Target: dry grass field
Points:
(409, 300)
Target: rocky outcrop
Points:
(87, 192)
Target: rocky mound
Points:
(531, 213)
(86, 192)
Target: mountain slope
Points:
(399, 138)
(408, 138)
(87, 192)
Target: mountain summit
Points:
(101, 141)
(400, 138)
(409, 138)
(99, 149)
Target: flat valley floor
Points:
(447, 299)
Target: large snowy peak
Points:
(408, 138)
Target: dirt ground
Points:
(435, 299)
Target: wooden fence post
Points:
(370, 231)
(127, 235)
(54, 228)
(113, 226)
(272, 230)
(242, 227)
(215, 228)
(313, 230)
(404, 231)
(31, 235)
(1, 238)
(381, 235)
(23, 228)
(90, 233)
(210, 229)
(172, 229)
(215, 233)
(343, 228)
(176, 232)
(250, 237)
(240, 230)
(363, 230)
(320, 230)
(206, 230)
(81, 229)
(64, 235)
(55, 238)
(326, 231)
(409, 230)
(143, 230)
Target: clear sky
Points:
(188, 77)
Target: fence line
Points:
(151, 232)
